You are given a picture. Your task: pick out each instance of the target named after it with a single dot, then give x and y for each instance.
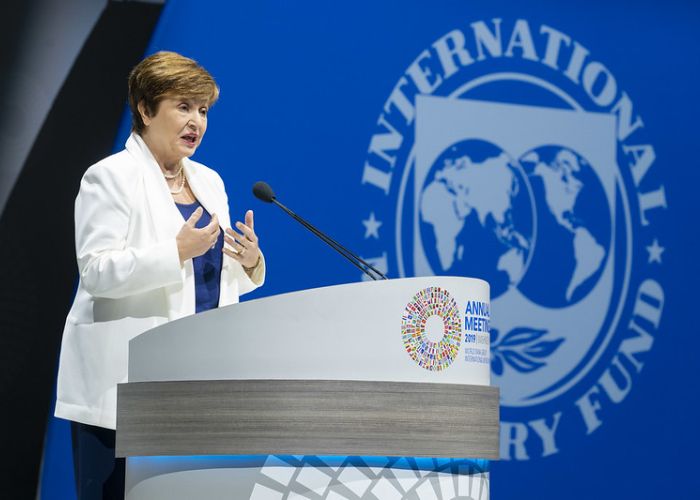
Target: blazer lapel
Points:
(206, 193)
(166, 223)
(166, 218)
(212, 198)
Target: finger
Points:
(196, 215)
(249, 220)
(247, 231)
(238, 247)
(240, 239)
(232, 254)
(213, 225)
(234, 234)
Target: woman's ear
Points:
(145, 117)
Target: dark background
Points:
(37, 258)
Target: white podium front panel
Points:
(409, 330)
(417, 347)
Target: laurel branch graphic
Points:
(522, 348)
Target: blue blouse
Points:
(207, 267)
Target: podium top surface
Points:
(432, 329)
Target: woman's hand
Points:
(193, 242)
(244, 244)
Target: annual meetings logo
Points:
(508, 152)
(432, 346)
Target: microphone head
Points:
(263, 191)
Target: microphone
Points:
(263, 192)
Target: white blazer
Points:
(131, 279)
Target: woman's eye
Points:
(203, 111)
(183, 107)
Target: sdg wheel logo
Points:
(431, 327)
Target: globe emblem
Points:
(540, 224)
(538, 228)
(573, 227)
(476, 215)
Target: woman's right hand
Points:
(193, 242)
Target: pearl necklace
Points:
(174, 176)
(182, 184)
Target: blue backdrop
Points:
(545, 146)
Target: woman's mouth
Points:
(190, 140)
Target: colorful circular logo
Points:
(428, 305)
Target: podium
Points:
(366, 390)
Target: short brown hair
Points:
(167, 74)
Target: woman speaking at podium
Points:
(150, 249)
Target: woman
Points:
(150, 250)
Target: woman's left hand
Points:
(244, 244)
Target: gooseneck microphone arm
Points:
(354, 260)
(264, 192)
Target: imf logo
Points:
(507, 152)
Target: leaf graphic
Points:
(522, 348)
(522, 335)
(494, 335)
(544, 348)
(497, 365)
(520, 362)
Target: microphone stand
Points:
(361, 264)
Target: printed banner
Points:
(545, 147)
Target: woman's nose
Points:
(195, 120)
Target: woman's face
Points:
(176, 130)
